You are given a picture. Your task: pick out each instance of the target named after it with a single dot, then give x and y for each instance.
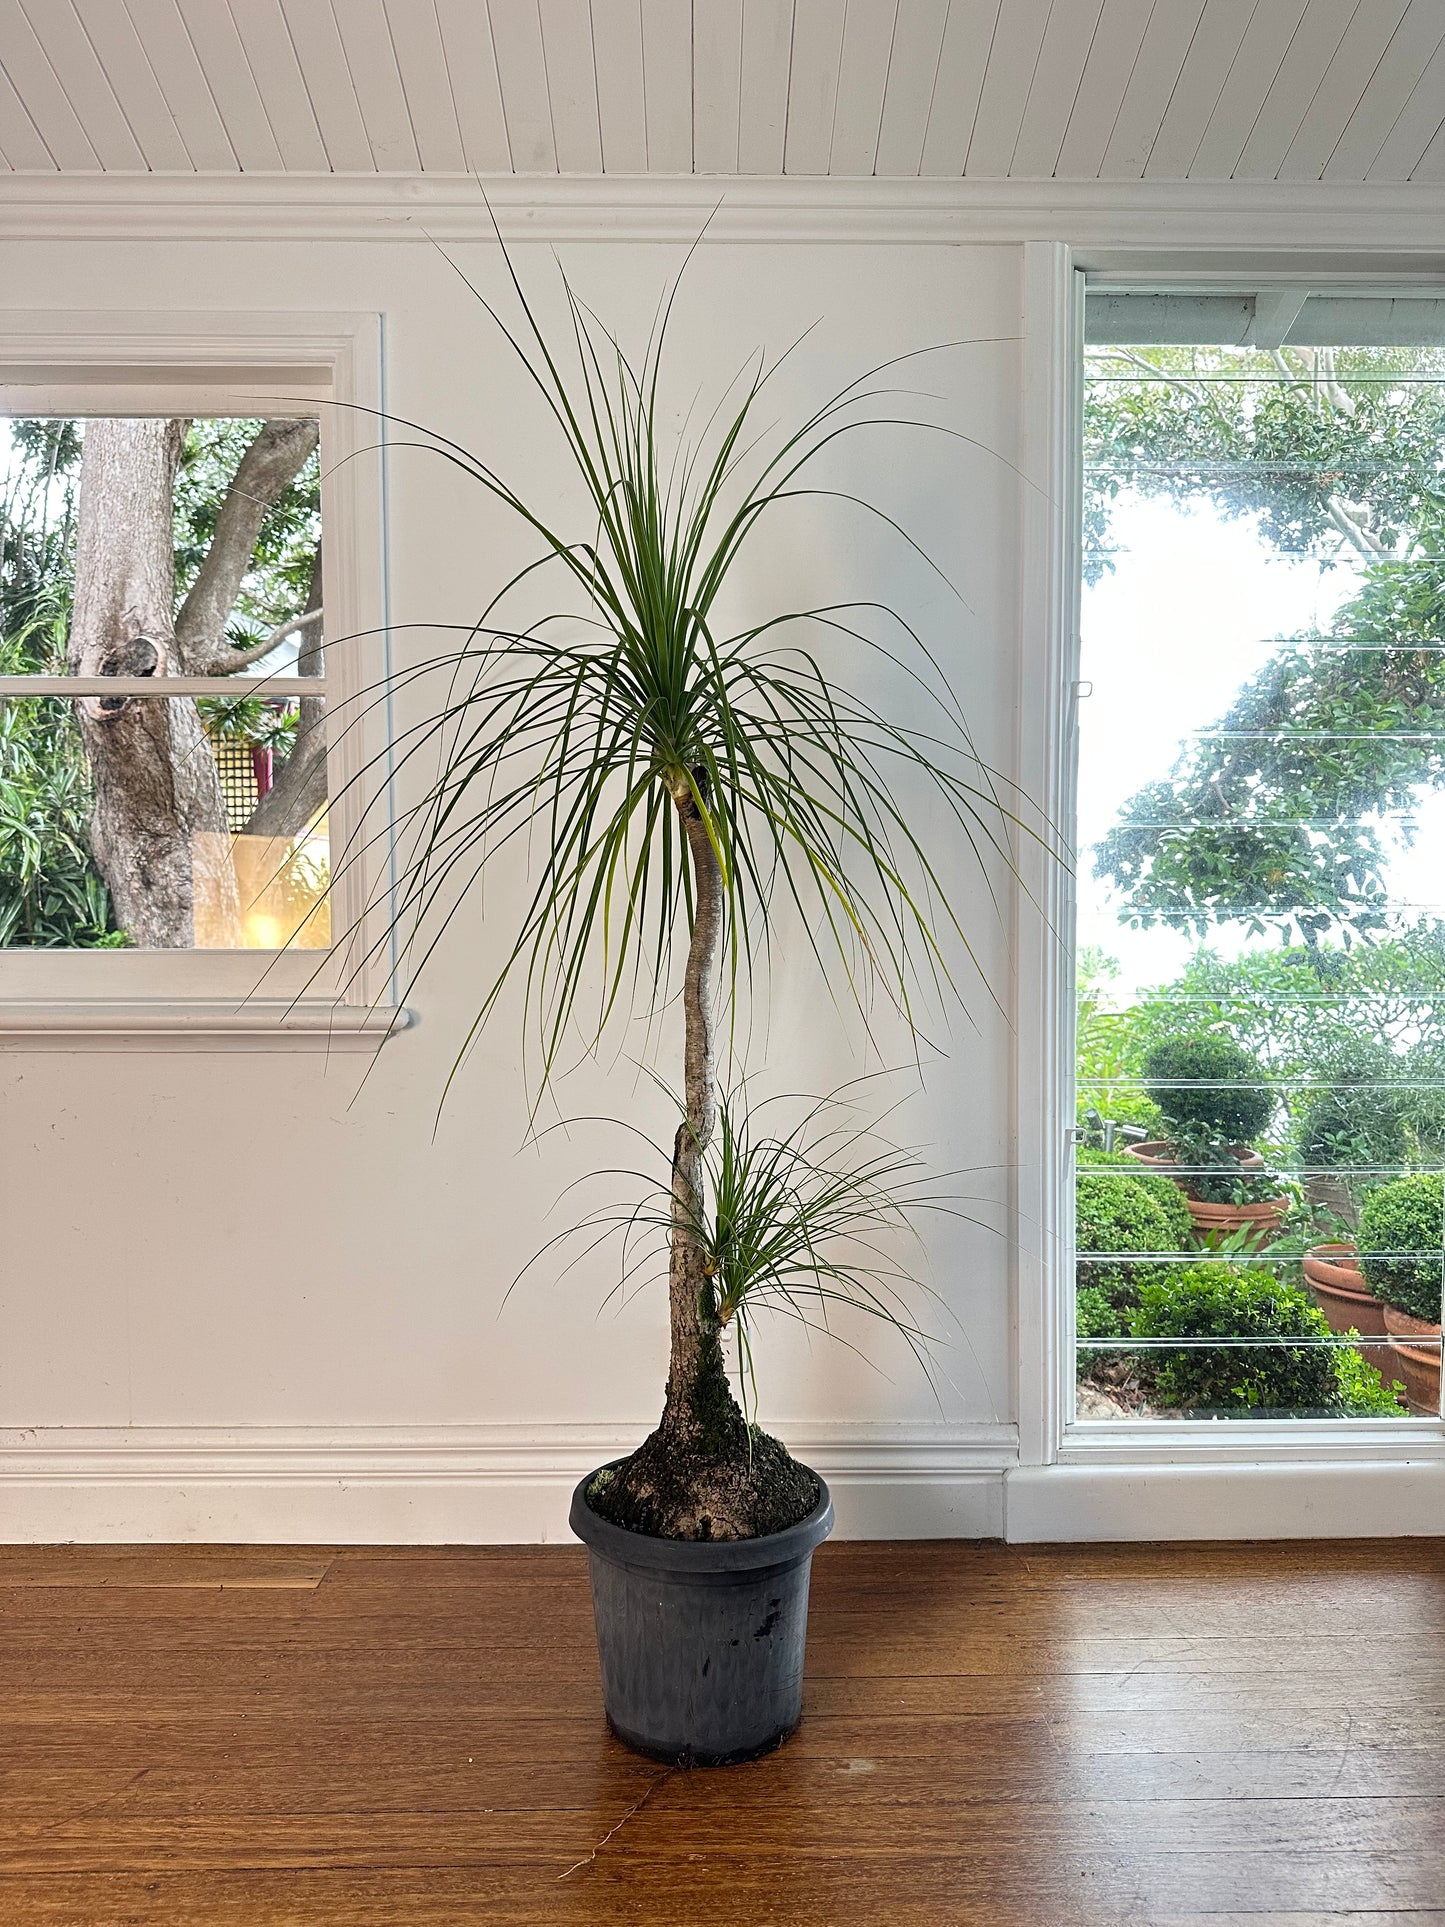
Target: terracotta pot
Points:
(1160, 1156)
(1219, 1220)
(1417, 1364)
(1339, 1289)
(1334, 1194)
(1216, 1220)
(1341, 1293)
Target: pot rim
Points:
(1149, 1151)
(688, 1557)
(1407, 1325)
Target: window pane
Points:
(256, 876)
(152, 548)
(1262, 884)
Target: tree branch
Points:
(226, 661)
(298, 795)
(269, 466)
(1358, 537)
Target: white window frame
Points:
(247, 363)
(1155, 1478)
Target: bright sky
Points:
(1195, 604)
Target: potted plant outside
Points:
(1214, 1098)
(677, 785)
(1401, 1253)
(1350, 1135)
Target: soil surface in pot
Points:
(764, 1482)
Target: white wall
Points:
(243, 1297)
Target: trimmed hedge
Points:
(1112, 1214)
(1405, 1216)
(1220, 1301)
(1235, 1114)
(1156, 1184)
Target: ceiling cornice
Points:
(1104, 217)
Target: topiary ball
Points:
(1405, 1216)
(1208, 1086)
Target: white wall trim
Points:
(1042, 1002)
(1324, 1499)
(1233, 215)
(199, 1025)
(464, 1484)
(511, 1484)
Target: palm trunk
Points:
(700, 1410)
(702, 1474)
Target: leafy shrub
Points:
(51, 894)
(1161, 1188)
(1113, 1214)
(1363, 1392)
(1234, 1109)
(1405, 1216)
(1346, 1127)
(1095, 1316)
(1219, 1301)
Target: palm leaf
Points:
(577, 736)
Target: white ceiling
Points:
(1301, 90)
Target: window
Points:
(190, 608)
(135, 551)
(1261, 881)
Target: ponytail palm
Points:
(671, 777)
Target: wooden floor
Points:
(1121, 1734)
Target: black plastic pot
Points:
(701, 1642)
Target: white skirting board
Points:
(1345, 1499)
(508, 1485)
(459, 1485)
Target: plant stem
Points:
(696, 1345)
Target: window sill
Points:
(1251, 1441)
(200, 1025)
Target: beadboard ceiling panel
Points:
(1347, 91)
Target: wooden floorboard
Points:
(1183, 1736)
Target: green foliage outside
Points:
(1214, 1100)
(1217, 1300)
(1336, 453)
(1401, 1217)
(1281, 816)
(1222, 1301)
(1207, 1085)
(1348, 1128)
(279, 579)
(51, 895)
(1112, 1214)
(1364, 1390)
(1354, 1038)
(1108, 1052)
(1161, 1189)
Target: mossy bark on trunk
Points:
(703, 1474)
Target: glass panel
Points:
(243, 863)
(1261, 888)
(151, 548)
